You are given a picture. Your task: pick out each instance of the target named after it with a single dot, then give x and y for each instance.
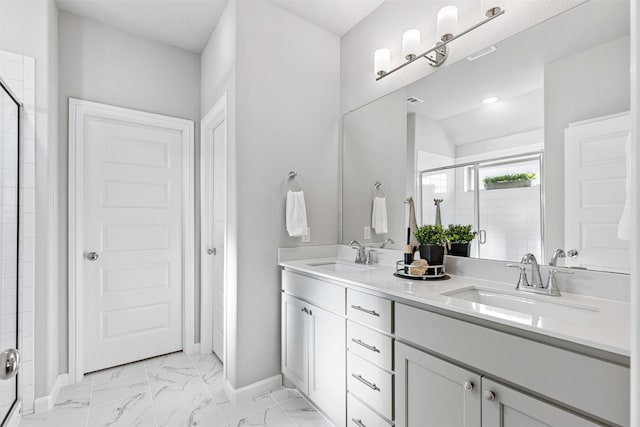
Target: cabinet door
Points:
(327, 365)
(505, 407)
(295, 341)
(433, 393)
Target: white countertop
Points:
(605, 326)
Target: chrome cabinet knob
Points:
(92, 256)
(9, 363)
(572, 253)
(489, 395)
(468, 386)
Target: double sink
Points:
(513, 305)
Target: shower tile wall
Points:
(19, 73)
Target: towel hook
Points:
(379, 189)
(294, 181)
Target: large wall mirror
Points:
(524, 140)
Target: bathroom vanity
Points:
(369, 349)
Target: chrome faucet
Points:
(558, 253)
(387, 242)
(536, 280)
(536, 286)
(361, 256)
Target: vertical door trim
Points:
(216, 116)
(78, 109)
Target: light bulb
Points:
(447, 23)
(410, 44)
(381, 62)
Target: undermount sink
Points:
(340, 267)
(520, 308)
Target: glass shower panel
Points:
(9, 137)
(510, 209)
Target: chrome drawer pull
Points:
(357, 422)
(365, 382)
(365, 345)
(364, 310)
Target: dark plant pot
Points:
(460, 249)
(433, 254)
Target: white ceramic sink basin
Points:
(519, 307)
(340, 267)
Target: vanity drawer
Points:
(370, 345)
(371, 310)
(360, 415)
(371, 384)
(322, 294)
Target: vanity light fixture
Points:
(411, 44)
(447, 22)
(490, 100)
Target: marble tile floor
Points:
(171, 391)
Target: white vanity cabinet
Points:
(313, 342)
(555, 386)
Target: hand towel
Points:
(379, 215)
(296, 216)
(624, 227)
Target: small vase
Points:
(433, 254)
(460, 249)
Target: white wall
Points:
(30, 28)
(288, 105)
(587, 85)
(375, 149)
(102, 64)
(384, 28)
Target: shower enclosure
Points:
(10, 109)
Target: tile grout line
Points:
(93, 382)
(206, 386)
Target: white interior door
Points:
(131, 234)
(214, 183)
(595, 175)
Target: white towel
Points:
(379, 215)
(296, 214)
(624, 227)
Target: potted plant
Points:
(459, 238)
(432, 240)
(509, 181)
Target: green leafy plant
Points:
(431, 235)
(509, 178)
(458, 233)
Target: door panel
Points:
(511, 408)
(595, 181)
(295, 342)
(133, 220)
(219, 208)
(431, 392)
(327, 385)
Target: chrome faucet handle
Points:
(558, 253)
(372, 256)
(387, 242)
(522, 280)
(552, 285)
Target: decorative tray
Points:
(434, 272)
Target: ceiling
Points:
(514, 73)
(186, 24)
(336, 16)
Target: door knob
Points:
(489, 395)
(92, 256)
(468, 386)
(9, 363)
(212, 251)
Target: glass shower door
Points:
(9, 143)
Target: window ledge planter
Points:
(508, 184)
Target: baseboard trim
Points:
(252, 390)
(44, 403)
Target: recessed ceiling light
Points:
(490, 100)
